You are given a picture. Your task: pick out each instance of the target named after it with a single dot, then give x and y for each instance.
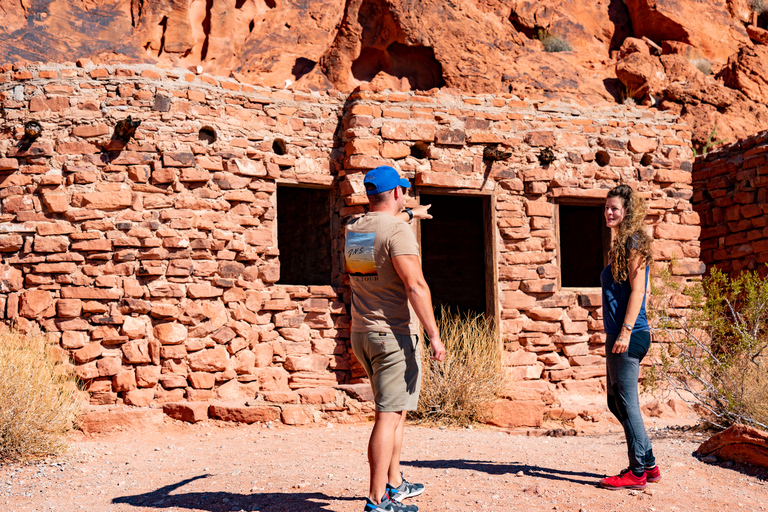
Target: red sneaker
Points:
(653, 475)
(624, 480)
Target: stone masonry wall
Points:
(732, 198)
(153, 263)
(552, 336)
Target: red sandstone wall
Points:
(553, 337)
(732, 198)
(154, 263)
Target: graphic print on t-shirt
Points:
(358, 254)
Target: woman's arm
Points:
(636, 278)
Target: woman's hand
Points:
(621, 345)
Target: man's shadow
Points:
(220, 501)
(503, 468)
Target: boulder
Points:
(738, 443)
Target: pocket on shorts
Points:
(382, 344)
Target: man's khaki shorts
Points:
(393, 365)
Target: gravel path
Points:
(218, 467)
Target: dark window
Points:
(584, 243)
(453, 252)
(304, 235)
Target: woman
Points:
(628, 337)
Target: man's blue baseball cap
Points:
(383, 178)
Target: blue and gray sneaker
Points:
(404, 490)
(388, 505)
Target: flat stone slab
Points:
(105, 421)
(242, 413)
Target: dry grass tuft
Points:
(456, 391)
(703, 65)
(38, 400)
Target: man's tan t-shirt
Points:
(379, 300)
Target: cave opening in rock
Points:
(304, 235)
(456, 245)
(301, 67)
(417, 64)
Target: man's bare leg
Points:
(381, 450)
(394, 465)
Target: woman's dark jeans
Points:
(622, 371)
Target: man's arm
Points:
(408, 267)
(419, 212)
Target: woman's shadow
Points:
(502, 468)
(220, 501)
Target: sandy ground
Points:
(216, 467)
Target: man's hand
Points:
(420, 212)
(438, 349)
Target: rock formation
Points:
(738, 443)
(705, 60)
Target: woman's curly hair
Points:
(632, 235)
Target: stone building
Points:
(198, 259)
(731, 196)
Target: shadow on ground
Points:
(499, 468)
(227, 501)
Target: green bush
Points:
(39, 401)
(715, 355)
(457, 390)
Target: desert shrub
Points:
(758, 6)
(715, 355)
(38, 400)
(457, 390)
(702, 65)
(553, 43)
(710, 143)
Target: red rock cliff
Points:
(703, 59)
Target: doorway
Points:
(457, 253)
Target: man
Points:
(389, 294)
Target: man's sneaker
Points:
(653, 475)
(624, 480)
(404, 490)
(388, 505)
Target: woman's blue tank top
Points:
(615, 301)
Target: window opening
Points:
(304, 235)
(584, 243)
